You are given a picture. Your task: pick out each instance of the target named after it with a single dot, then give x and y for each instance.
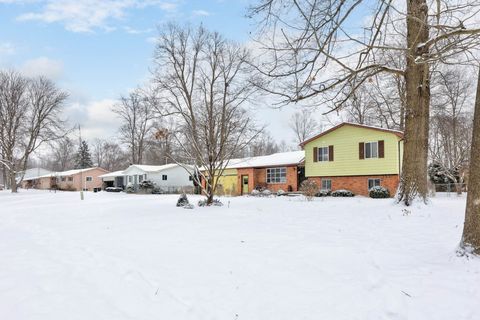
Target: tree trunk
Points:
(417, 79)
(471, 228)
(13, 182)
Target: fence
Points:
(449, 188)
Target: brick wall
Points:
(359, 184)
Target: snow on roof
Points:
(276, 159)
(112, 174)
(151, 168)
(62, 173)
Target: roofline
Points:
(395, 132)
(271, 165)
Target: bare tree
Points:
(307, 37)
(303, 125)
(137, 116)
(451, 123)
(202, 79)
(471, 229)
(63, 155)
(108, 155)
(29, 117)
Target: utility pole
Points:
(81, 172)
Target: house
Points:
(113, 179)
(171, 178)
(21, 176)
(355, 157)
(72, 180)
(278, 171)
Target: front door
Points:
(244, 184)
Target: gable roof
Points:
(64, 173)
(112, 174)
(150, 168)
(395, 132)
(273, 160)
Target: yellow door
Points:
(244, 184)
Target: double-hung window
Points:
(277, 175)
(373, 183)
(371, 150)
(164, 177)
(326, 184)
(323, 154)
(88, 179)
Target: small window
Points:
(373, 183)
(164, 177)
(140, 178)
(70, 179)
(190, 178)
(130, 179)
(277, 175)
(89, 179)
(323, 154)
(63, 179)
(371, 150)
(326, 184)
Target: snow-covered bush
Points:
(157, 190)
(342, 193)
(309, 189)
(379, 192)
(146, 184)
(255, 192)
(280, 192)
(323, 193)
(266, 193)
(216, 202)
(129, 188)
(183, 200)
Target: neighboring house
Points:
(113, 179)
(171, 178)
(72, 180)
(278, 171)
(355, 157)
(30, 173)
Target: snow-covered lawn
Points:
(117, 256)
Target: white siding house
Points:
(170, 177)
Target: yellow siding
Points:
(346, 154)
(227, 182)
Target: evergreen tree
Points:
(83, 158)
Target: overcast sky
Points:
(98, 50)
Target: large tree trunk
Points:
(471, 228)
(414, 172)
(13, 181)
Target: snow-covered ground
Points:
(118, 256)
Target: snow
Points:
(120, 256)
(276, 159)
(60, 173)
(113, 174)
(151, 168)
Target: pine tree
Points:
(83, 158)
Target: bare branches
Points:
(203, 81)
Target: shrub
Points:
(342, 193)
(323, 193)
(216, 202)
(379, 192)
(280, 192)
(146, 184)
(129, 188)
(309, 189)
(157, 190)
(266, 193)
(255, 192)
(183, 200)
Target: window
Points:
(88, 179)
(164, 177)
(326, 184)
(70, 179)
(323, 154)
(140, 178)
(190, 178)
(277, 175)
(130, 179)
(371, 150)
(373, 183)
(63, 179)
